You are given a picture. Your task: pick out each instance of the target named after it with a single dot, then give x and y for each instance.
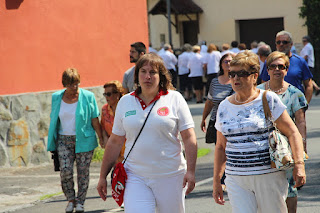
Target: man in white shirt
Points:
(234, 48)
(170, 61)
(137, 50)
(203, 48)
(308, 54)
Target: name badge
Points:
(132, 112)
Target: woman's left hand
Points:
(189, 178)
(299, 175)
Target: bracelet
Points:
(299, 162)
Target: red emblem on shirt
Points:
(163, 111)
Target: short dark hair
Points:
(234, 44)
(139, 46)
(70, 76)
(242, 46)
(306, 38)
(221, 71)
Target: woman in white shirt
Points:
(242, 147)
(183, 70)
(211, 64)
(156, 169)
(195, 66)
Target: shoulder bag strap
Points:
(139, 132)
(266, 108)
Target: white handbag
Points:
(279, 148)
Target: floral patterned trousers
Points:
(67, 156)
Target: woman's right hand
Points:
(217, 193)
(299, 175)
(203, 126)
(102, 188)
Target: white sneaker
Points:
(79, 207)
(70, 207)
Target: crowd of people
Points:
(147, 112)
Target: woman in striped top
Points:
(242, 147)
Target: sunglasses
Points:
(227, 61)
(109, 94)
(275, 66)
(283, 42)
(241, 73)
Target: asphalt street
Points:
(22, 188)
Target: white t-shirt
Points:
(169, 59)
(183, 61)
(235, 50)
(67, 116)
(195, 65)
(158, 151)
(212, 60)
(246, 131)
(203, 49)
(225, 52)
(307, 50)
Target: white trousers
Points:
(258, 193)
(149, 195)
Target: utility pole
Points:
(169, 21)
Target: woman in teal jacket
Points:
(72, 133)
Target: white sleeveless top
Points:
(67, 116)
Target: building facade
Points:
(224, 21)
(38, 41)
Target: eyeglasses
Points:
(304, 40)
(73, 85)
(275, 66)
(109, 94)
(241, 73)
(227, 61)
(283, 42)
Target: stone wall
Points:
(24, 125)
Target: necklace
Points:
(241, 102)
(275, 91)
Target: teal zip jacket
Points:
(87, 109)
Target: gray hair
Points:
(285, 33)
(307, 38)
(187, 47)
(264, 50)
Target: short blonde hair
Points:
(196, 48)
(277, 55)
(248, 60)
(225, 46)
(116, 85)
(70, 76)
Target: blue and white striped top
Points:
(246, 131)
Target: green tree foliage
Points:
(310, 10)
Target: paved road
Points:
(17, 195)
